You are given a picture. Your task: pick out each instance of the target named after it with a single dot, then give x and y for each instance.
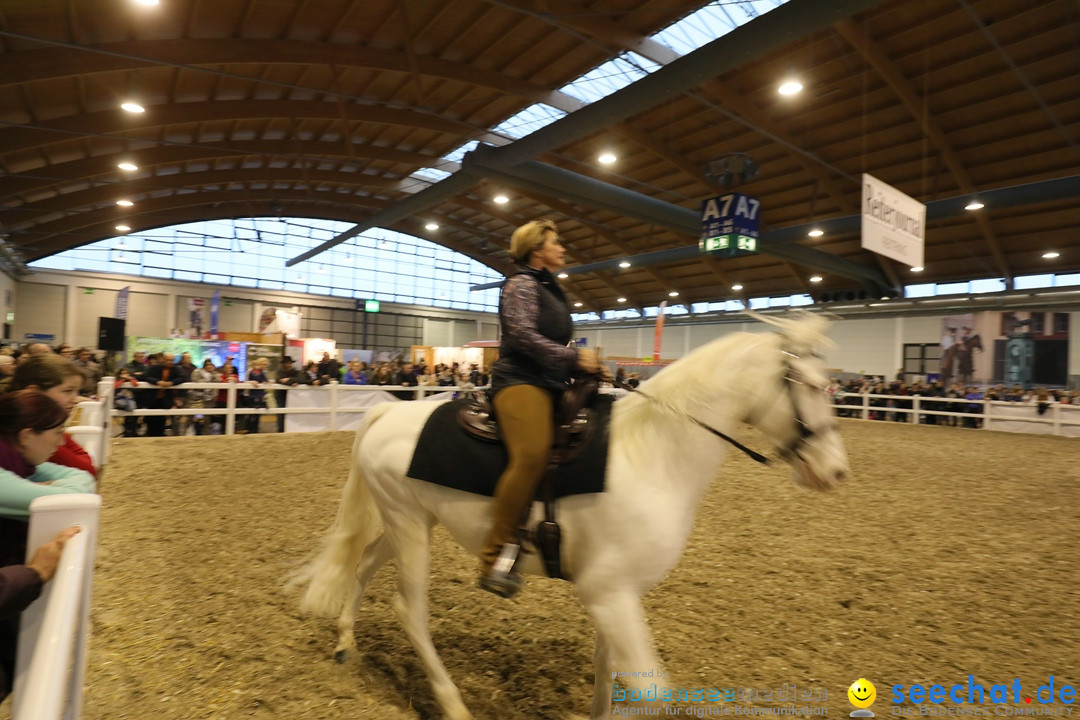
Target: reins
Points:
(756, 456)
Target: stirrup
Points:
(501, 578)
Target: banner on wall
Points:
(658, 335)
(959, 342)
(196, 316)
(122, 303)
(215, 304)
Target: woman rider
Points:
(533, 368)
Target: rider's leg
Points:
(524, 414)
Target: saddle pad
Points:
(447, 455)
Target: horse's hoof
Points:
(341, 656)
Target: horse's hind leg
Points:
(411, 541)
(375, 556)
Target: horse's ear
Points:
(802, 330)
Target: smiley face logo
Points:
(862, 693)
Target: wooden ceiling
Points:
(326, 108)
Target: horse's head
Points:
(794, 412)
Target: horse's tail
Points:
(331, 576)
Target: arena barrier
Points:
(54, 630)
(1059, 419)
(94, 418)
(331, 407)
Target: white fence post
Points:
(54, 630)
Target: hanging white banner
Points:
(893, 224)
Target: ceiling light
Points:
(562, 276)
(624, 264)
(974, 205)
(790, 87)
(816, 232)
(620, 299)
(606, 158)
(124, 203)
(578, 304)
(1051, 254)
(132, 107)
(500, 199)
(736, 287)
(129, 166)
(147, 2)
(815, 278)
(123, 228)
(917, 268)
(673, 293)
(431, 226)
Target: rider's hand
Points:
(587, 361)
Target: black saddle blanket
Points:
(447, 455)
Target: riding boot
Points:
(524, 414)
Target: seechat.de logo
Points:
(862, 694)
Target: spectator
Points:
(7, 369)
(329, 369)
(354, 375)
(255, 399)
(292, 376)
(20, 585)
(164, 377)
(59, 379)
(124, 393)
(91, 372)
(202, 398)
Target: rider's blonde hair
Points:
(529, 237)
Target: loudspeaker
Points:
(111, 334)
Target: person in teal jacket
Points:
(31, 429)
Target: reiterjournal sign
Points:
(893, 224)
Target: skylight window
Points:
(710, 22)
(529, 120)
(613, 75)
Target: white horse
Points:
(618, 544)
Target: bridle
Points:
(805, 433)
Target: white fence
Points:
(341, 407)
(54, 630)
(308, 408)
(1058, 419)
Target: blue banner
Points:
(215, 303)
(122, 303)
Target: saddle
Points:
(574, 420)
(574, 424)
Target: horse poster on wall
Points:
(959, 342)
(966, 361)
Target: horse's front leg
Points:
(601, 699)
(375, 556)
(624, 651)
(410, 542)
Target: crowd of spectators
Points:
(156, 380)
(896, 404)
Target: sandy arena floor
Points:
(952, 553)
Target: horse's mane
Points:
(691, 382)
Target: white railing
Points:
(343, 405)
(95, 416)
(1058, 419)
(54, 630)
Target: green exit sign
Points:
(371, 306)
(729, 245)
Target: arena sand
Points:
(951, 553)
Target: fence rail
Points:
(54, 630)
(1058, 418)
